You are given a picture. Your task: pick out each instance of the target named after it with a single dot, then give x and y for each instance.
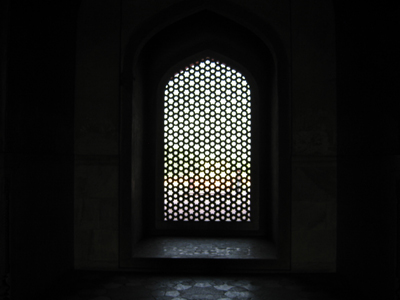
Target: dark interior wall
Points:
(4, 5)
(306, 31)
(38, 154)
(368, 145)
(97, 135)
(39, 142)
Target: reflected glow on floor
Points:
(214, 248)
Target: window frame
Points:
(137, 56)
(160, 227)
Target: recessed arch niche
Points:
(241, 40)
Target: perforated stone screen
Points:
(207, 144)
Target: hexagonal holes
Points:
(207, 144)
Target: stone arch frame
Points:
(134, 102)
(209, 228)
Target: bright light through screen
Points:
(207, 144)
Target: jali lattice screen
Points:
(207, 144)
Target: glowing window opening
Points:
(207, 144)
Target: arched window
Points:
(205, 136)
(207, 144)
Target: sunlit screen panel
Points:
(207, 144)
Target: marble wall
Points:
(97, 135)
(314, 137)
(306, 29)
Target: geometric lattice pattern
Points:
(207, 144)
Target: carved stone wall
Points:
(305, 28)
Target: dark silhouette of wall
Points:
(38, 111)
(368, 145)
(38, 149)
(4, 266)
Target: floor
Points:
(182, 260)
(103, 285)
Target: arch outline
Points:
(136, 74)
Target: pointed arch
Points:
(243, 41)
(207, 144)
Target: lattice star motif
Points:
(207, 144)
